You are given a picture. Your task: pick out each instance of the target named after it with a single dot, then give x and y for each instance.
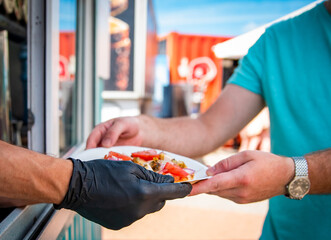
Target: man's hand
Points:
(248, 176)
(115, 194)
(117, 131)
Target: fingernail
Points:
(210, 171)
(106, 142)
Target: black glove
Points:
(117, 193)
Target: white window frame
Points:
(139, 56)
(52, 78)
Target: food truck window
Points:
(60, 103)
(67, 75)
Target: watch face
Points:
(299, 187)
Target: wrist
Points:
(60, 179)
(144, 122)
(76, 190)
(288, 173)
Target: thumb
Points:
(229, 163)
(169, 191)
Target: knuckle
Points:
(241, 201)
(120, 122)
(160, 206)
(224, 164)
(140, 213)
(236, 200)
(124, 167)
(214, 187)
(100, 127)
(244, 180)
(246, 154)
(242, 197)
(144, 193)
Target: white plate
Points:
(99, 153)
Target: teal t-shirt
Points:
(290, 67)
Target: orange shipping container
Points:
(67, 43)
(191, 59)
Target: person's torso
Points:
(296, 83)
(296, 86)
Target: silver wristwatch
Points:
(300, 184)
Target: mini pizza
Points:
(158, 162)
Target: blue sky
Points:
(219, 17)
(67, 15)
(207, 17)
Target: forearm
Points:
(182, 135)
(196, 137)
(319, 171)
(28, 177)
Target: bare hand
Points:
(248, 176)
(118, 131)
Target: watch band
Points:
(301, 166)
(299, 186)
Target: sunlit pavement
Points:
(199, 217)
(202, 217)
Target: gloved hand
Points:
(117, 193)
